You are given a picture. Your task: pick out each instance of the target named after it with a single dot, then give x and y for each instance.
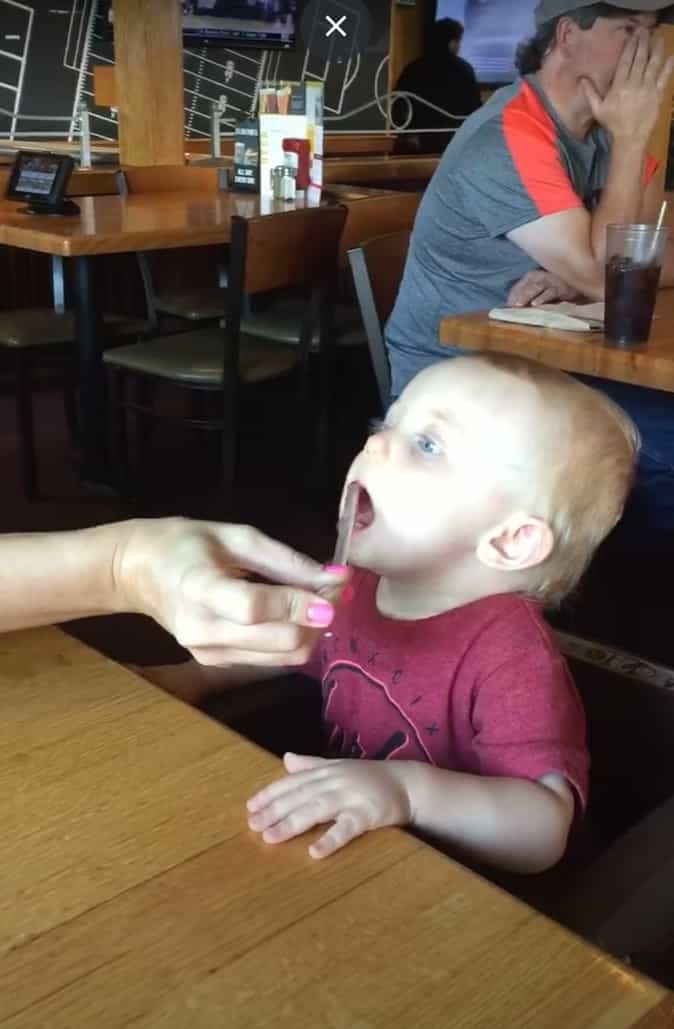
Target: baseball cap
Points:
(546, 10)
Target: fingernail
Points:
(320, 614)
(335, 569)
(347, 594)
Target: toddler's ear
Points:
(523, 541)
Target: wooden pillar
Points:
(406, 36)
(149, 81)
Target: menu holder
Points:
(247, 155)
(291, 134)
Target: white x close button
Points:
(335, 26)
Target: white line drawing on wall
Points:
(232, 82)
(229, 78)
(333, 60)
(17, 21)
(86, 16)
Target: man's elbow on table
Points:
(562, 244)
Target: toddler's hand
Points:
(356, 795)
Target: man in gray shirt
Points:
(531, 180)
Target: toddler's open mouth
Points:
(365, 513)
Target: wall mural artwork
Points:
(45, 55)
(48, 51)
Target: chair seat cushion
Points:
(197, 358)
(37, 327)
(282, 323)
(193, 304)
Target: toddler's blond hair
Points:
(584, 486)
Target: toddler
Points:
(446, 704)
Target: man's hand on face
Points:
(630, 108)
(540, 287)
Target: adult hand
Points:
(540, 287)
(189, 577)
(355, 795)
(631, 106)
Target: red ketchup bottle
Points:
(296, 155)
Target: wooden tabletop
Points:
(111, 224)
(151, 221)
(378, 168)
(132, 892)
(650, 364)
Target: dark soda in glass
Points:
(630, 292)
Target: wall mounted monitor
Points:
(264, 24)
(493, 29)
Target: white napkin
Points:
(570, 317)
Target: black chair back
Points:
(377, 267)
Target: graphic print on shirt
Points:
(363, 720)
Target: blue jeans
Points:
(649, 514)
(626, 597)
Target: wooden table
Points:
(109, 225)
(132, 892)
(651, 364)
(114, 224)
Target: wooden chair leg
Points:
(327, 357)
(72, 420)
(326, 372)
(120, 427)
(229, 445)
(145, 398)
(198, 412)
(302, 395)
(25, 430)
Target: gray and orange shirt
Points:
(512, 162)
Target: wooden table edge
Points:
(557, 349)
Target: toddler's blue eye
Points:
(427, 445)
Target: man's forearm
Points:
(622, 196)
(54, 577)
(515, 824)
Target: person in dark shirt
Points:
(441, 78)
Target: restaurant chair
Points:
(293, 248)
(621, 894)
(377, 267)
(191, 304)
(371, 216)
(30, 337)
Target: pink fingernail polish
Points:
(320, 614)
(347, 594)
(335, 569)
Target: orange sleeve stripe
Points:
(531, 140)
(650, 167)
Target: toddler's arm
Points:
(515, 824)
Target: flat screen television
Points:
(493, 30)
(228, 23)
(260, 23)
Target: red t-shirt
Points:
(480, 689)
